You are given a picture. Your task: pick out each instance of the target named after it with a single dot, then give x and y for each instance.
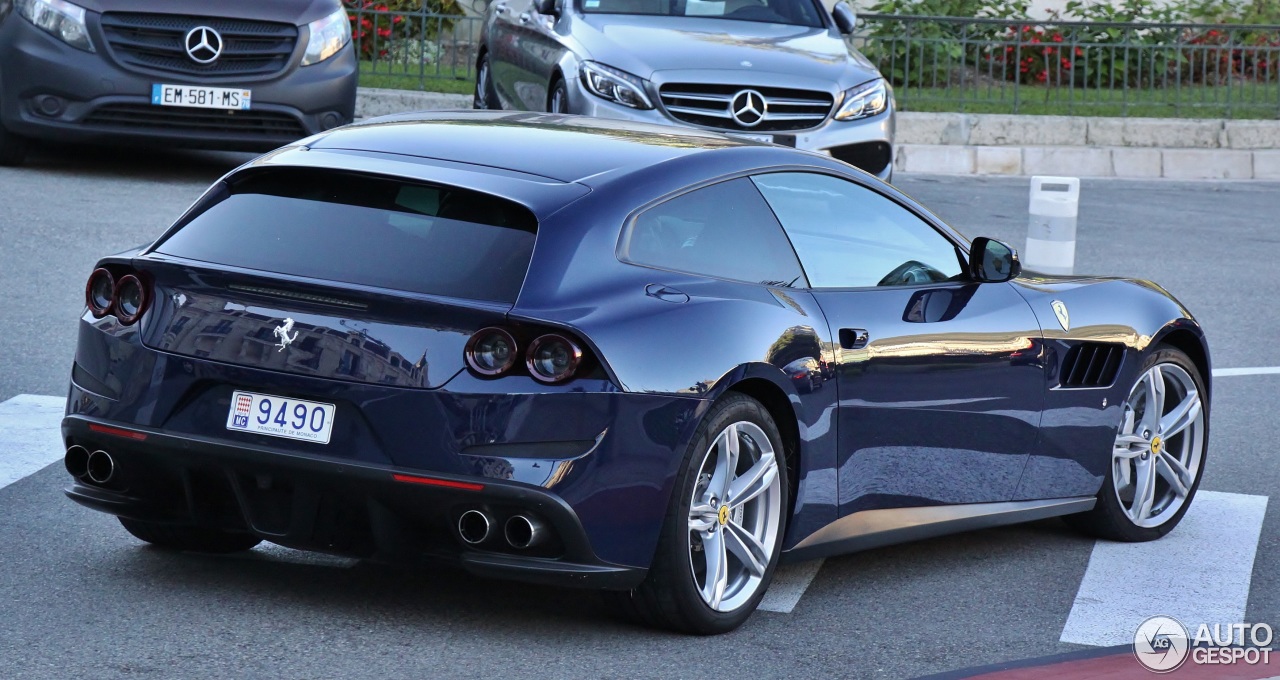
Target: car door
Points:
(505, 41)
(939, 379)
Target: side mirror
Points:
(991, 261)
(546, 8)
(846, 18)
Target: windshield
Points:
(793, 12)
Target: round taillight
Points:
(553, 358)
(100, 292)
(131, 299)
(491, 351)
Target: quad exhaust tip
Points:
(474, 526)
(100, 468)
(77, 461)
(523, 531)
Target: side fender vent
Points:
(1091, 364)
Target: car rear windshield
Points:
(365, 230)
(794, 12)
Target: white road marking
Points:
(1199, 573)
(31, 428)
(789, 583)
(1255, 370)
(270, 552)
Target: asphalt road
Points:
(80, 598)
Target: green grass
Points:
(428, 77)
(1241, 100)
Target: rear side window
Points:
(366, 230)
(725, 230)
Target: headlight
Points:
(60, 18)
(617, 86)
(864, 101)
(328, 35)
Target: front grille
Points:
(268, 125)
(1091, 364)
(709, 105)
(156, 42)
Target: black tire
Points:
(1108, 518)
(669, 597)
(484, 97)
(13, 149)
(189, 538)
(558, 97)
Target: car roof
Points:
(560, 147)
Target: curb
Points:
(993, 144)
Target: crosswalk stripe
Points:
(1199, 573)
(789, 583)
(1255, 370)
(30, 428)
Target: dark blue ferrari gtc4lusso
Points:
(649, 361)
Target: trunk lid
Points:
(294, 326)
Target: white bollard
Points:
(1051, 232)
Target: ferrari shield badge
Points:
(1060, 310)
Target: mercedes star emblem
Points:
(204, 45)
(749, 108)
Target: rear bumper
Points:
(52, 91)
(334, 506)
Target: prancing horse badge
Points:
(1060, 309)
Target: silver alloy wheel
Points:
(1159, 446)
(482, 86)
(735, 510)
(558, 103)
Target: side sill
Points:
(876, 528)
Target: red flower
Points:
(1079, 52)
(1042, 76)
(384, 33)
(1057, 37)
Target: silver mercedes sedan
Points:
(782, 71)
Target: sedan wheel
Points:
(1158, 454)
(483, 97)
(724, 529)
(559, 100)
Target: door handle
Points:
(525, 18)
(854, 338)
(665, 293)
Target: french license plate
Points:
(201, 97)
(280, 417)
(768, 139)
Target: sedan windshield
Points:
(794, 12)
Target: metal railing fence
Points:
(1076, 67)
(411, 49)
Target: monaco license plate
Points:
(280, 417)
(201, 97)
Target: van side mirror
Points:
(546, 8)
(992, 261)
(846, 18)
